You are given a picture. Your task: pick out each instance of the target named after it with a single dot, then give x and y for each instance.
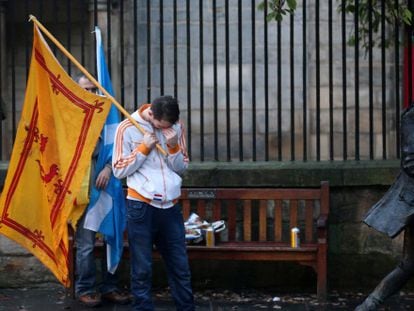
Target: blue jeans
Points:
(148, 225)
(85, 264)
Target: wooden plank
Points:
(217, 210)
(252, 193)
(231, 222)
(293, 213)
(308, 221)
(186, 209)
(262, 220)
(247, 220)
(201, 209)
(277, 222)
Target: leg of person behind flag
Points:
(85, 283)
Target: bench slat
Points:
(186, 209)
(308, 221)
(277, 222)
(247, 220)
(293, 213)
(217, 210)
(231, 222)
(262, 220)
(201, 209)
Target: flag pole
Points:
(91, 78)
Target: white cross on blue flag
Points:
(106, 210)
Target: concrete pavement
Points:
(53, 297)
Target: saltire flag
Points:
(106, 210)
(59, 127)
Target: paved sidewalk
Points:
(53, 297)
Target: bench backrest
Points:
(260, 214)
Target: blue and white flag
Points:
(106, 210)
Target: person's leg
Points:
(170, 241)
(109, 280)
(139, 224)
(109, 286)
(396, 279)
(85, 260)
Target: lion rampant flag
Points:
(59, 127)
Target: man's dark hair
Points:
(166, 108)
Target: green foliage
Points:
(370, 19)
(278, 8)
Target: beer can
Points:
(294, 238)
(210, 237)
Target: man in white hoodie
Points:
(154, 187)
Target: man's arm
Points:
(127, 157)
(177, 151)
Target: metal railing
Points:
(250, 90)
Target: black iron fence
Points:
(250, 90)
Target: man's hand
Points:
(103, 178)
(171, 137)
(150, 140)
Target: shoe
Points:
(90, 300)
(117, 297)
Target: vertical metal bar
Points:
(188, 30)
(370, 85)
(41, 9)
(253, 80)
(304, 85)
(56, 14)
(175, 48)
(240, 57)
(266, 82)
(148, 51)
(356, 53)
(135, 54)
(2, 30)
(161, 8)
(409, 37)
(121, 35)
(331, 117)
(292, 88)
(108, 39)
(69, 34)
(318, 84)
(26, 40)
(383, 83)
(215, 95)
(201, 56)
(344, 80)
(397, 83)
(95, 23)
(12, 12)
(85, 13)
(279, 91)
(227, 44)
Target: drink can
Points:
(210, 237)
(294, 238)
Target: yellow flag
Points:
(59, 127)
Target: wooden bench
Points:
(259, 222)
